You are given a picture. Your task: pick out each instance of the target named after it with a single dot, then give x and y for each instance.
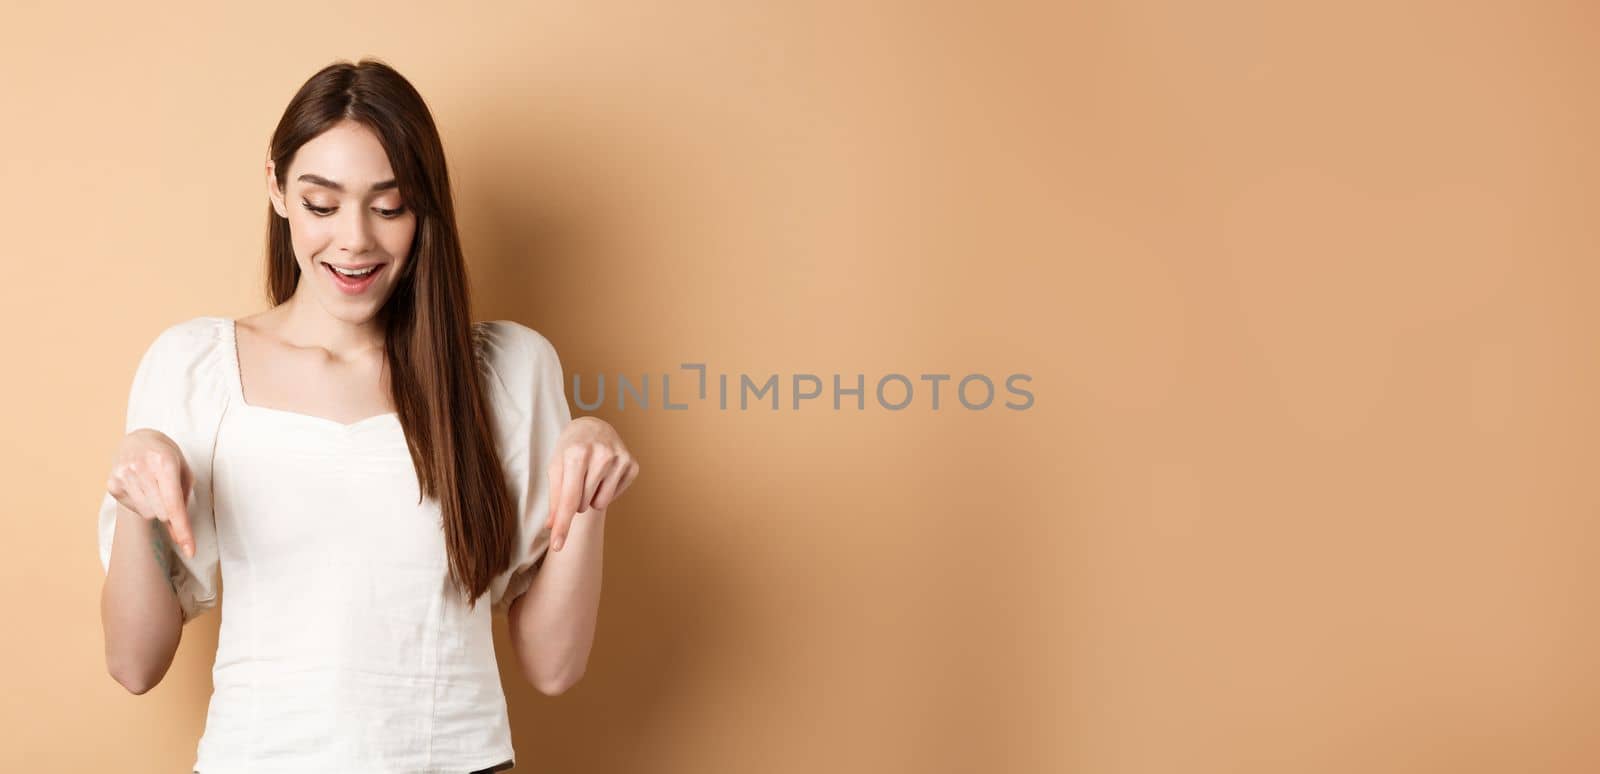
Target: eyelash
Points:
(323, 212)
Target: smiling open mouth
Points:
(354, 281)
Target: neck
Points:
(303, 322)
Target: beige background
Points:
(1309, 484)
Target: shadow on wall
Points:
(535, 231)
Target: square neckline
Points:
(236, 386)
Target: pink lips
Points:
(354, 286)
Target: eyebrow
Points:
(326, 183)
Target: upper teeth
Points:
(355, 272)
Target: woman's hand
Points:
(590, 469)
(151, 478)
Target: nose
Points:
(355, 233)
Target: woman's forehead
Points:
(346, 157)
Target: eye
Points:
(323, 212)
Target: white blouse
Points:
(343, 645)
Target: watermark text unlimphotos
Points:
(894, 392)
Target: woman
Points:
(361, 464)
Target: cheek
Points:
(397, 238)
(308, 237)
(309, 231)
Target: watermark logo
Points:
(893, 391)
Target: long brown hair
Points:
(427, 320)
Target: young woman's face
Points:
(345, 211)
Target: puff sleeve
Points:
(525, 387)
(178, 389)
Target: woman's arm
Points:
(553, 623)
(139, 610)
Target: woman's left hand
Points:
(591, 468)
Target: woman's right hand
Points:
(151, 478)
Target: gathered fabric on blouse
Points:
(343, 643)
